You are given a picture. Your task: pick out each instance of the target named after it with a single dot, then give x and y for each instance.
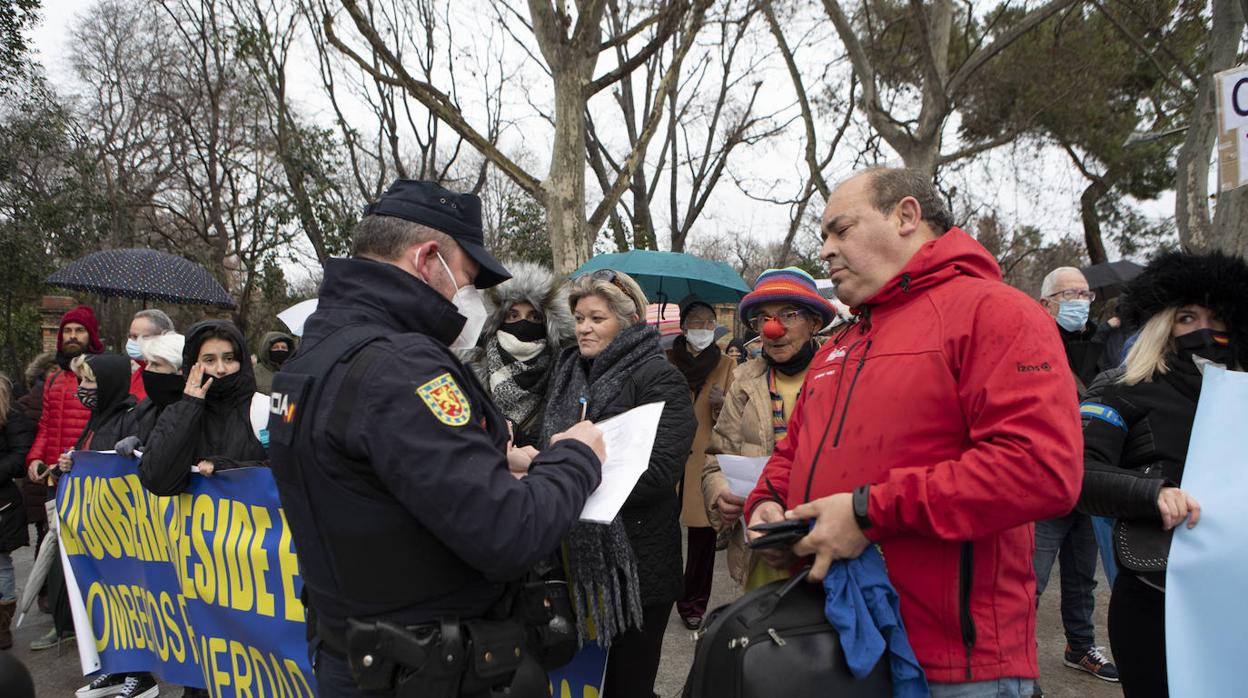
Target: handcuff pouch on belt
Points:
(450, 657)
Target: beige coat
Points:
(743, 429)
(693, 508)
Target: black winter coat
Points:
(651, 514)
(1135, 440)
(114, 417)
(216, 429)
(16, 437)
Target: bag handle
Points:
(768, 605)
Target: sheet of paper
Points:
(629, 438)
(1207, 570)
(742, 472)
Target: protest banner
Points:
(201, 589)
(1207, 571)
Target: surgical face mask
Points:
(1072, 316)
(132, 349)
(471, 306)
(89, 397)
(699, 339)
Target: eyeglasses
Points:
(1074, 294)
(788, 318)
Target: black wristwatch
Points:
(860, 507)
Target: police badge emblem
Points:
(446, 401)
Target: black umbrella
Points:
(1110, 276)
(143, 274)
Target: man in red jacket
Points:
(939, 426)
(60, 424)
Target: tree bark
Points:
(1196, 230)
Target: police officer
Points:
(393, 464)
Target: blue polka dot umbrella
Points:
(148, 275)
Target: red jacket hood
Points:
(953, 254)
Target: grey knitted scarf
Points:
(605, 587)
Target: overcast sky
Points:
(1025, 184)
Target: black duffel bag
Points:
(776, 641)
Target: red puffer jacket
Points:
(952, 398)
(62, 420)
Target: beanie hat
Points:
(788, 285)
(83, 315)
(689, 304)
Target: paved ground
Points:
(1057, 680)
(57, 674)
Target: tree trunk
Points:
(1092, 221)
(1192, 183)
(564, 187)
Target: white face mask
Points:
(471, 306)
(700, 339)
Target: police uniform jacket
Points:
(421, 455)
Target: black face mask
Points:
(524, 330)
(279, 356)
(1207, 344)
(795, 365)
(89, 397)
(163, 388)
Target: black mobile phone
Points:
(779, 534)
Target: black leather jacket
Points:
(1135, 440)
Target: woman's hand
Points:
(518, 460)
(1176, 505)
(65, 462)
(205, 467)
(729, 505)
(196, 386)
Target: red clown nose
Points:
(773, 329)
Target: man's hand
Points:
(835, 536)
(36, 471)
(588, 434)
(1176, 505)
(205, 467)
(729, 506)
(715, 397)
(779, 558)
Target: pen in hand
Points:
(584, 406)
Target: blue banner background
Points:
(232, 648)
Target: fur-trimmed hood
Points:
(537, 285)
(1215, 280)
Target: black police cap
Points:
(457, 215)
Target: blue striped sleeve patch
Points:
(1104, 413)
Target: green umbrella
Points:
(670, 277)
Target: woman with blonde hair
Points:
(626, 575)
(1137, 421)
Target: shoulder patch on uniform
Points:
(1104, 413)
(446, 401)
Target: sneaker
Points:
(51, 640)
(139, 686)
(103, 685)
(1094, 662)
